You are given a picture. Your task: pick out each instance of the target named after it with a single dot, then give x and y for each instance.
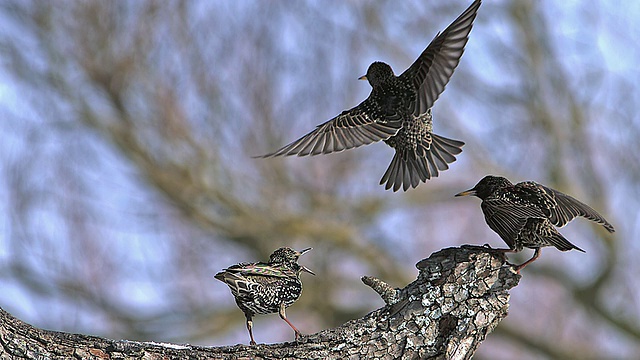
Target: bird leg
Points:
(283, 316)
(536, 254)
(250, 328)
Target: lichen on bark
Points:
(459, 296)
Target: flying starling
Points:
(266, 288)
(398, 111)
(526, 214)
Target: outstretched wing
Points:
(431, 72)
(568, 208)
(362, 125)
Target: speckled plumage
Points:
(266, 288)
(526, 214)
(398, 111)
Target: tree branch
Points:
(460, 295)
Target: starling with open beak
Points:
(266, 288)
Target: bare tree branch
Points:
(460, 296)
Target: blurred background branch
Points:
(128, 181)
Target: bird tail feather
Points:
(561, 243)
(409, 167)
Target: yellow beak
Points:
(467, 193)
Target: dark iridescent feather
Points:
(431, 72)
(526, 214)
(568, 208)
(398, 112)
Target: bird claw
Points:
(299, 337)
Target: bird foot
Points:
(536, 254)
(511, 264)
(517, 268)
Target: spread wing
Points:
(431, 72)
(362, 125)
(507, 218)
(568, 208)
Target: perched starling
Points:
(266, 288)
(526, 214)
(398, 111)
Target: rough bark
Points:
(460, 295)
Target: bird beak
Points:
(363, 77)
(467, 193)
(305, 269)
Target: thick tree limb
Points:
(460, 295)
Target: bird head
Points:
(378, 73)
(487, 186)
(286, 255)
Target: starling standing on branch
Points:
(526, 214)
(398, 111)
(266, 288)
